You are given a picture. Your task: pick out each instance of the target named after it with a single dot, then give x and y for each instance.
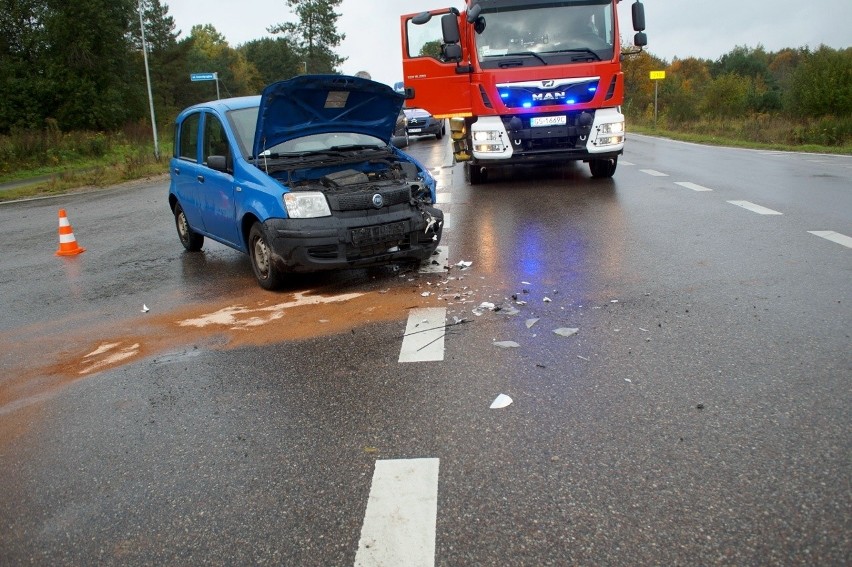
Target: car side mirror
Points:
(219, 163)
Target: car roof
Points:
(225, 104)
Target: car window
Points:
(244, 123)
(215, 140)
(188, 137)
(326, 141)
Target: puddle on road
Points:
(253, 318)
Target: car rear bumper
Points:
(329, 243)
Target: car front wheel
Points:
(268, 276)
(191, 240)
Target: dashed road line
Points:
(443, 198)
(654, 172)
(402, 510)
(833, 236)
(693, 186)
(622, 162)
(755, 208)
(424, 335)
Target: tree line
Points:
(79, 65)
(799, 93)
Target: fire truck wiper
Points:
(510, 63)
(578, 50)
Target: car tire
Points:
(603, 168)
(441, 132)
(268, 276)
(190, 239)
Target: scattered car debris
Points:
(584, 358)
(506, 344)
(531, 322)
(566, 331)
(526, 283)
(145, 308)
(547, 300)
(628, 380)
(501, 401)
(463, 264)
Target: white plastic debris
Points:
(480, 309)
(501, 401)
(426, 294)
(583, 358)
(614, 301)
(526, 283)
(463, 264)
(628, 380)
(145, 308)
(506, 344)
(566, 331)
(547, 300)
(531, 322)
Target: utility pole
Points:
(148, 79)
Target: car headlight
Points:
(306, 205)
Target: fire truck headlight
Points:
(612, 128)
(486, 135)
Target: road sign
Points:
(202, 77)
(656, 75)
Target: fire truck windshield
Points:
(542, 34)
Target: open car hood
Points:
(319, 104)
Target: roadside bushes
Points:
(793, 97)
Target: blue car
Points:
(303, 178)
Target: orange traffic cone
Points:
(67, 243)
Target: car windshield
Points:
(244, 122)
(545, 34)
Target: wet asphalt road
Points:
(700, 416)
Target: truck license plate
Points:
(548, 121)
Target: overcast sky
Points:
(675, 28)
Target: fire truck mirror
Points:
(450, 28)
(640, 39)
(421, 18)
(479, 25)
(473, 13)
(452, 52)
(638, 16)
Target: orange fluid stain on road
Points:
(253, 318)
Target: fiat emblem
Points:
(378, 201)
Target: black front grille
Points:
(363, 199)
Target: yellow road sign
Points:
(655, 75)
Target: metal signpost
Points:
(206, 77)
(656, 76)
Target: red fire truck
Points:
(522, 81)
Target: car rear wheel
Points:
(441, 132)
(268, 276)
(602, 168)
(191, 240)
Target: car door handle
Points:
(200, 178)
(177, 171)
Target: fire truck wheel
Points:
(475, 174)
(603, 168)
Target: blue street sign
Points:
(202, 77)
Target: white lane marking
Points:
(443, 198)
(622, 162)
(402, 510)
(424, 335)
(654, 172)
(428, 266)
(755, 208)
(447, 223)
(833, 236)
(693, 186)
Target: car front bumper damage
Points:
(399, 234)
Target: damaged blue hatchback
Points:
(303, 178)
